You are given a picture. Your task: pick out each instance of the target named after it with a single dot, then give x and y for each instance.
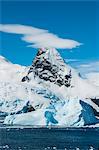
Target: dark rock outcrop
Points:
(95, 100)
(45, 69)
(25, 109)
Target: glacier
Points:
(49, 92)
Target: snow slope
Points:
(11, 72)
(49, 93)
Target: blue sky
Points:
(70, 20)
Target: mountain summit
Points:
(49, 66)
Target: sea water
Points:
(42, 138)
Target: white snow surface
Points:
(61, 103)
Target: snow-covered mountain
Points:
(49, 66)
(48, 93)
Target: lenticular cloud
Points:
(37, 37)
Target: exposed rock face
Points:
(27, 108)
(96, 101)
(49, 66)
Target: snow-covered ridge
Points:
(4, 60)
(11, 72)
(41, 100)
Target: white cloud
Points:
(90, 67)
(20, 29)
(71, 60)
(85, 66)
(91, 71)
(39, 37)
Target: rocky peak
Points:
(49, 66)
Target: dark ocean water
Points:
(30, 138)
